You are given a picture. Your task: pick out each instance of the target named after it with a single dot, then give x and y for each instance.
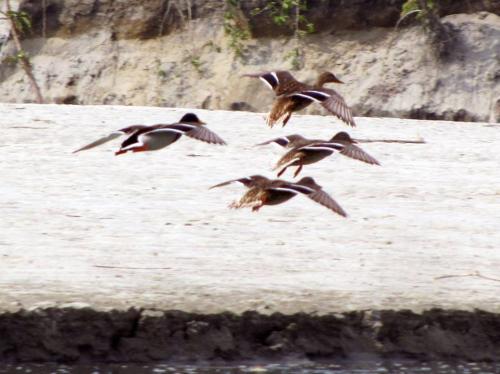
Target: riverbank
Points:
(87, 336)
(84, 234)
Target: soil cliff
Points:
(191, 53)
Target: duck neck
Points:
(320, 81)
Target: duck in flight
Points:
(264, 191)
(309, 151)
(141, 138)
(292, 96)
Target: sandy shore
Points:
(74, 226)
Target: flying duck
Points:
(142, 138)
(292, 96)
(263, 191)
(308, 151)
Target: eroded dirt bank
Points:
(85, 335)
(170, 53)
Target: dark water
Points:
(364, 367)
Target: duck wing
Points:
(287, 141)
(320, 146)
(281, 81)
(319, 196)
(249, 182)
(330, 100)
(353, 151)
(205, 135)
(115, 134)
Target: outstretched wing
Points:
(254, 180)
(331, 101)
(283, 141)
(321, 197)
(352, 151)
(280, 82)
(100, 141)
(287, 141)
(321, 146)
(205, 135)
(112, 136)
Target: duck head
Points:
(191, 118)
(309, 182)
(327, 77)
(259, 178)
(343, 137)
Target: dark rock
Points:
(70, 99)
(242, 106)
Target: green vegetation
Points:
(196, 63)
(288, 13)
(420, 8)
(443, 37)
(162, 74)
(212, 47)
(20, 24)
(234, 27)
(21, 20)
(283, 13)
(295, 57)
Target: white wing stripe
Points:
(284, 189)
(275, 77)
(318, 148)
(324, 94)
(163, 130)
(266, 82)
(304, 187)
(306, 97)
(134, 145)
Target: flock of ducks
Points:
(291, 96)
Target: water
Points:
(359, 367)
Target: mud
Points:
(71, 335)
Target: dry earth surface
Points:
(431, 210)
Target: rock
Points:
(495, 116)
(241, 106)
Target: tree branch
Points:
(128, 267)
(25, 64)
(420, 141)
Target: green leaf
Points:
(409, 6)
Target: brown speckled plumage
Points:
(292, 96)
(263, 191)
(308, 151)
